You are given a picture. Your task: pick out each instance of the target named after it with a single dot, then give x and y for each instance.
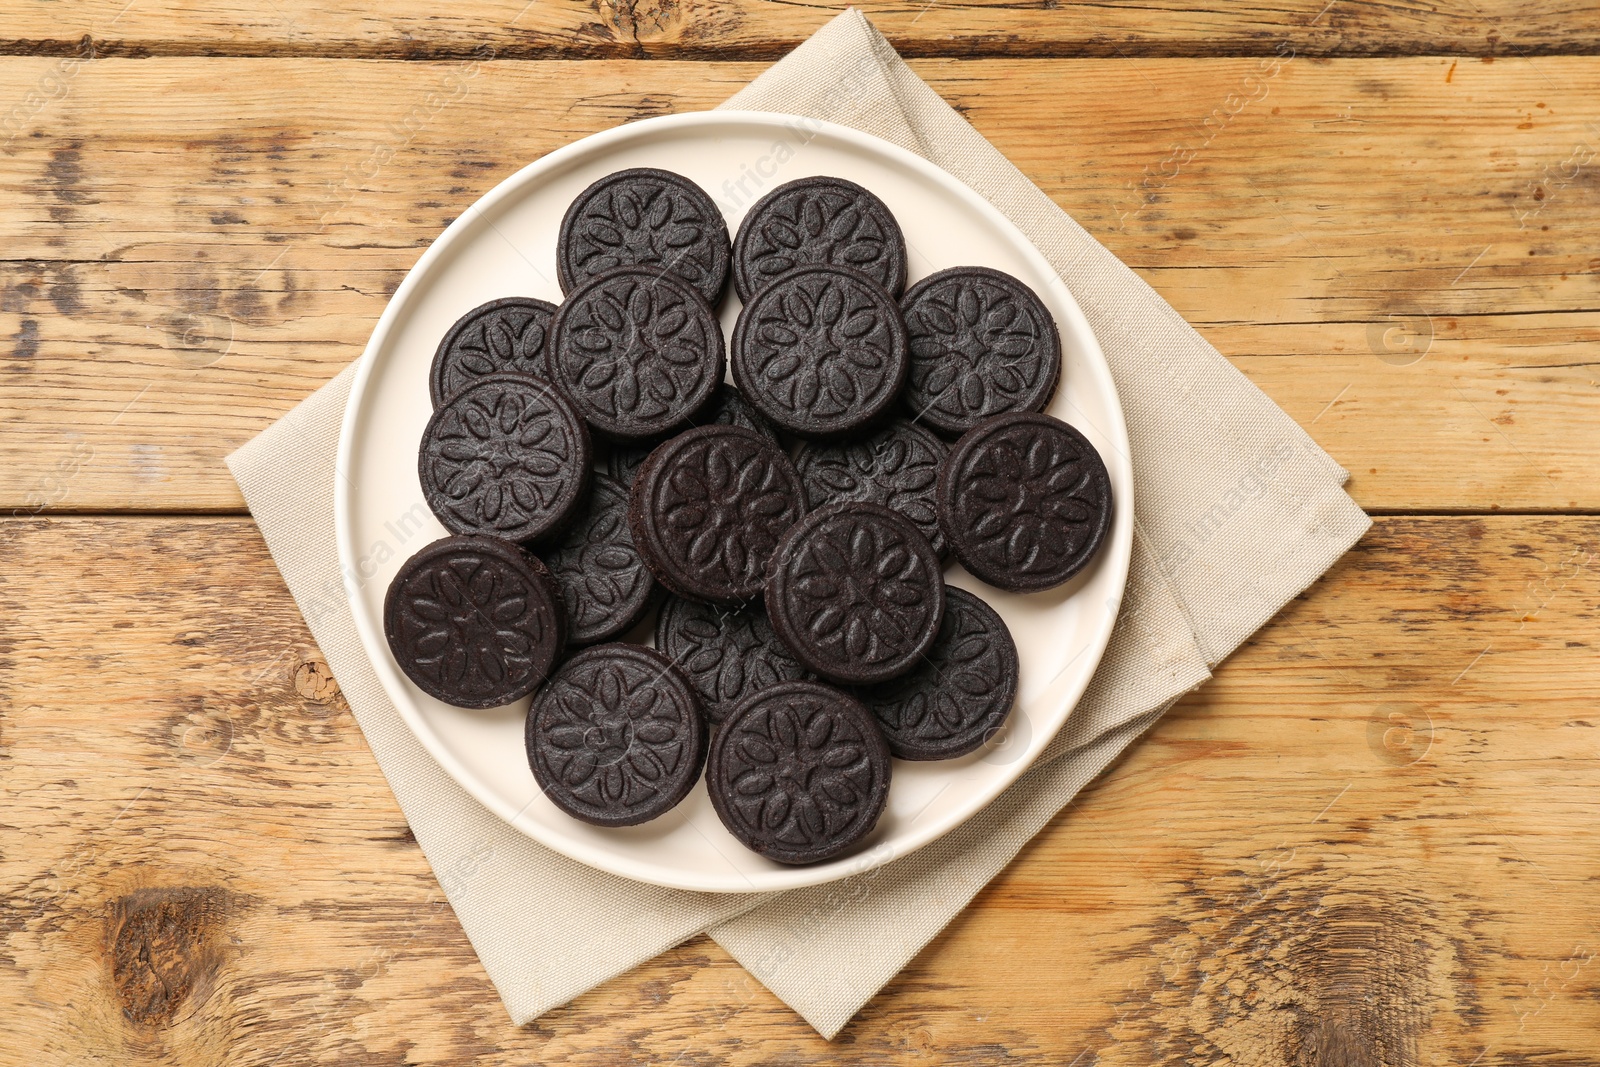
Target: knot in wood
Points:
(314, 681)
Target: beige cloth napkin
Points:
(1237, 511)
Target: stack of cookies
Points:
(788, 531)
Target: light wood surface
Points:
(196, 244)
(1368, 841)
(765, 29)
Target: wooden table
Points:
(1370, 840)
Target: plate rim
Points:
(1119, 545)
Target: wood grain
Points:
(1368, 841)
(1397, 251)
(765, 29)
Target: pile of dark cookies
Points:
(593, 465)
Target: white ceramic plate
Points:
(504, 245)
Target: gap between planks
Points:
(973, 48)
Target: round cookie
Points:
(728, 654)
(821, 352)
(637, 353)
(604, 584)
(725, 408)
(506, 457)
(982, 344)
(616, 738)
(1025, 501)
(708, 508)
(855, 591)
(501, 337)
(799, 772)
(897, 467)
(961, 692)
(473, 621)
(644, 218)
(818, 221)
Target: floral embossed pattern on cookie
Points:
(604, 583)
(708, 508)
(647, 218)
(799, 772)
(501, 337)
(821, 352)
(507, 457)
(1025, 501)
(961, 692)
(982, 343)
(728, 654)
(855, 592)
(636, 352)
(818, 221)
(896, 467)
(615, 738)
(473, 621)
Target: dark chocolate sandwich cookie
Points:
(616, 737)
(820, 352)
(961, 692)
(896, 467)
(810, 221)
(603, 582)
(500, 337)
(725, 408)
(474, 621)
(637, 353)
(727, 654)
(1025, 501)
(855, 591)
(506, 456)
(982, 344)
(799, 772)
(707, 509)
(644, 218)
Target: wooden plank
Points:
(751, 29)
(1397, 251)
(1369, 839)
